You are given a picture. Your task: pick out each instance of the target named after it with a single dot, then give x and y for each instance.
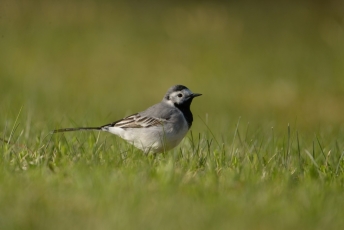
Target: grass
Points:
(87, 181)
(266, 147)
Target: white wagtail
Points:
(157, 129)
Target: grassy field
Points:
(266, 150)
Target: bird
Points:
(157, 129)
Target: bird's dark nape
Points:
(178, 87)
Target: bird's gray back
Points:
(161, 110)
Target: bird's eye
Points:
(180, 95)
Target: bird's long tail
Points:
(75, 129)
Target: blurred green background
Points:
(267, 63)
(92, 62)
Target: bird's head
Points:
(180, 96)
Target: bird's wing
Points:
(137, 121)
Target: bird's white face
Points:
(180, 97)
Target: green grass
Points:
(266, 150)
(77, 181)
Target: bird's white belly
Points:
(152, 139)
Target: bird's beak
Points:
(196, 95)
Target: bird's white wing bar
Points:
(137, 121)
